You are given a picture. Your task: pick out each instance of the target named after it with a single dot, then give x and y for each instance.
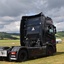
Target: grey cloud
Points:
(1, 26)
(55, 3)
(56, 14)
(18, 7)
(9, 8)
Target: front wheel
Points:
(22, 56)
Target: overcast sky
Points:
(11, 12)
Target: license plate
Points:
(3, 53)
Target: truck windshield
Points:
(33, 29)
(35, 21)
(33, 26)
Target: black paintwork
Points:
(40, 34)
(37, 33)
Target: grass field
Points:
(9, 43)
(58, 58)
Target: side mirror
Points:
(55, 31)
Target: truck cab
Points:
(37, 30)
(37, 34)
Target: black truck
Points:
(37, 38)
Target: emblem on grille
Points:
(33, 28)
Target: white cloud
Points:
(60, 26)
(7, 18)
(12, 27)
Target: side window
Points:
(55, 30)
(50, 29)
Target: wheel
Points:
(49, 51)
(22, 56)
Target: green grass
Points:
(58, 58)
(60, 34)
(9, 43)
(17, 36)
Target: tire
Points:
(49, 51)
(22, 56)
